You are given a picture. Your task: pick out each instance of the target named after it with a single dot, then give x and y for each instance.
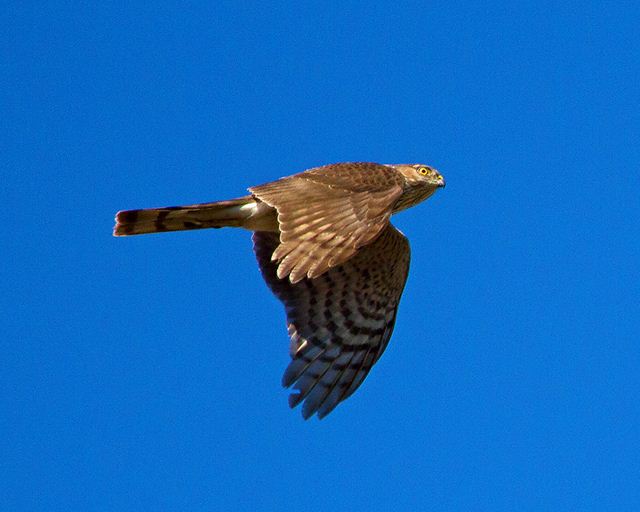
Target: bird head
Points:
(420, 174)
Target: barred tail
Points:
(230, 213)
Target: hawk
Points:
(326, 249)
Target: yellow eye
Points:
(423, 170)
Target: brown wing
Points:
(326, 214)
(339, 323)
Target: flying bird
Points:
(326, 249)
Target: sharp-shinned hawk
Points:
(327, 250)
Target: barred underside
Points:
(339, 323)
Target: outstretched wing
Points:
(326, 214)
(339, 323)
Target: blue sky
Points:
(144, 373)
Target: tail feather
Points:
(230, 213)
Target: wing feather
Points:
(326, 214)
(339, 323)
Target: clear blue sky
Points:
(144, 373)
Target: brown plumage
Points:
(339, 323)
(326, 249)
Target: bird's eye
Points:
(423, 170)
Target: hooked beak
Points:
(441, 182)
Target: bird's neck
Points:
(412, 196)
